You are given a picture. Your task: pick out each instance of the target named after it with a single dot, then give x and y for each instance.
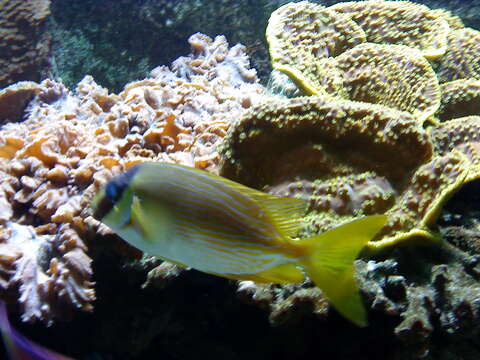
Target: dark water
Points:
(120, 41)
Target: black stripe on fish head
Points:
(113, 192)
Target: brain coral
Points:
(24, 48)
(68, 145)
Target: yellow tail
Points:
(329, 261)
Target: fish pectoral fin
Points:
(139, 219)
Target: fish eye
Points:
(112, 191)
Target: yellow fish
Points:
(203, 221)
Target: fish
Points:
(203, 221)
(19, 347)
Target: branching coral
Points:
(68, 145)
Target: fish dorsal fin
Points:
(284, 212)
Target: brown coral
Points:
(463, 135)
(14, 99)
(399, 23)
(461, 61)
(25, 46)
(459, 98)
(391, 75)
(54, 161)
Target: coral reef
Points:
(25, 46)
(380, 135)
(461, 60)
(324, 52)
(14, 99)
(330, 151)
(346, 169)
(50, 173)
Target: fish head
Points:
(112, 205)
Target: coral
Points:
(324, 53)
(393, 75)
(95, 37)
(399, 23)
(461, 134)
(461, 60)
(50, 173)
(14, 99)
(426, 295)
(454, 22)
(346, 169)
(459, 98)
(303, 36)
(25, 46)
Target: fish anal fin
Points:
(281, 274)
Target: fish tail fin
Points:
(329, 259)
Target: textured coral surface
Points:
(51, 172)
(24, 48)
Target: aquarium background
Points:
(121, 41)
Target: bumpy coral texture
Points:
(303, 37)
(53, 162)
(461, 134)
(24, 48)
(459, 98)
(370, 74)
(338, 155)
(461, 60)
(346, 169)
(400, 23)
(324, 58)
